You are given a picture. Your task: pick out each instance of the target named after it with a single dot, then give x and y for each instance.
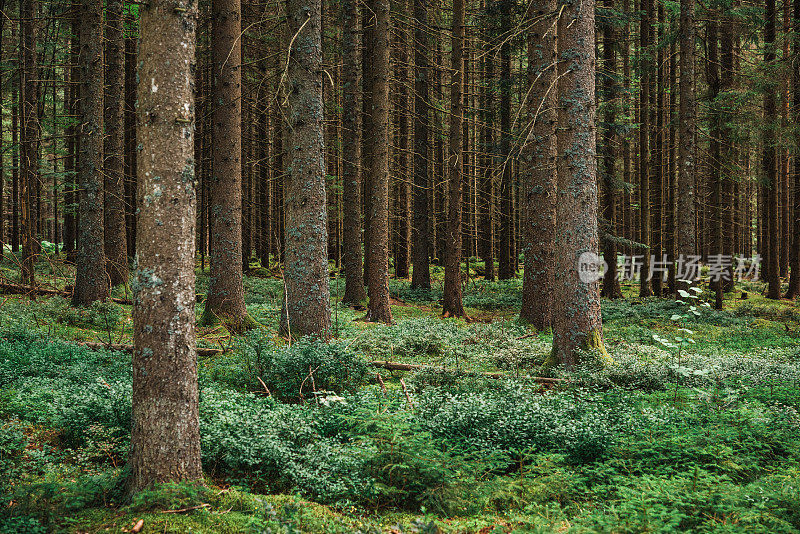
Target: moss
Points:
(593, 354)
(232, 323)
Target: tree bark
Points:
(686, 237)
(307, 309)
(539, 172)
(421, 275)
(376, 130)
(165, 441)
(769, 162)
(452, 305)
(505, 262)
(226, 291)
(645, 288)
(29, 136)
(91, 281)
(794, 276)
(113, 170)
(576, 312)
(611, 286)
(351, 155)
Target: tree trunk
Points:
(307, 308)
(539, 173)
(794, 278)
(611, 287)
(351, 156)
(486, 189)
(452, 305)
(576, 312)
(165, 441)
(91, 281)
(686, 237)
(770, 170)
(225, 301)
(421, 275)
(645, 288)
(714, 167)
(376, 129)
(29, 138)
(506, 263)
(130, 143)
(113, 170)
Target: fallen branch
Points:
(19, 289)
(95, 345)
(396, 366)
(391, 366)
(185, 509)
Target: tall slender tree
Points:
(376, 129)
(307, 308)
(351, 155)
(452, 305)
(225, 301)
(506, 264)
(577, 322)
(29, 134)
(645, 31)
(165, 439)
(539, 174)
(686, 238)
(794, 275)
(770, 161)
(420, 255)
(91, 281)
(115, 245)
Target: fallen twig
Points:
(190, 508)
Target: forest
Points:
(399, 266)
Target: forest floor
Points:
(694, 428)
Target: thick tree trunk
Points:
(376, 128)
(539, 173)
(307, 308)
(113, 170)
(420, 230)
(576, 312)
(686, 237)
(165, 441)
(402, 176)
(452, 305)
(91, 281)
(225, 300)
(770, 161)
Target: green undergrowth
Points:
(309, 437)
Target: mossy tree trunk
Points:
(538, 158)
(91, 280)
(452, 305)
(225, 301)
(165, 440)
(116, 249)
(307, 307)
(576, 311)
